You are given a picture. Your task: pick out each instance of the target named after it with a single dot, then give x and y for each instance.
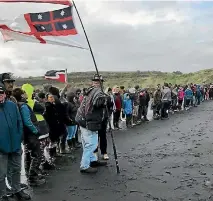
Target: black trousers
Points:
(142, 111)
(102, 138)
(32, 157)
(156, 110)
(164, 108)
(116, 117)
(129, 120)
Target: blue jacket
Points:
(26, 117)
(188, 94)
(127, 106)
(11, 128)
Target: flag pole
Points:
(66, 76)
(97, 71)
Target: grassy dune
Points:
(127, 79)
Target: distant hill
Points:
(127, 79)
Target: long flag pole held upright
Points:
(97, 71)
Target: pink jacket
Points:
(180, 95)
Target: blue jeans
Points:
(10, 164)
(71, 132)
(89, 143)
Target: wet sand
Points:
(160, 160)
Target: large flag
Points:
(58, 75)
(38, 1)
(43, 27)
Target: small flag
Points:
(58, 75)
(38, 1)
(52, 27)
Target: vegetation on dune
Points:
(128, 79)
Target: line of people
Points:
(49, 121)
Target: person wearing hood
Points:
(30, 139)
(10, 148)
(128, 109)
(72, 107)
(166, 101)
(38, 108)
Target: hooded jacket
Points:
(127, 106)
(38, 110)
(11, 128)
(188, 94)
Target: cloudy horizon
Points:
(125, 36)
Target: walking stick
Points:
(96, 68)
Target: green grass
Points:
(128, 79)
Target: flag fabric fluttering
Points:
(49, 27)
(58, 75)
(62, 2)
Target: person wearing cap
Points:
(10, 148)
(89, 116)
(8, 81)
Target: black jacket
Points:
(55, 118)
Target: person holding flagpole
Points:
(90, 116)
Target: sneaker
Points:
(105, 157)
(47, 166)
(37, 182)
(98, 163)
(89, 170)
(21, 195)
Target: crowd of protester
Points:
(50, 120)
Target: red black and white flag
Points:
(58, 75)
(62, 2)
(50, 27)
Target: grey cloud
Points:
(166, 46)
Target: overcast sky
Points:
(125, 36)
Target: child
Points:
(128, 109)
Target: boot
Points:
(70, 145)
(21, 195)
(76, 144)
(47, 166)
(36, 181)
(89, 170)
(98, 163)
(62, 148)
